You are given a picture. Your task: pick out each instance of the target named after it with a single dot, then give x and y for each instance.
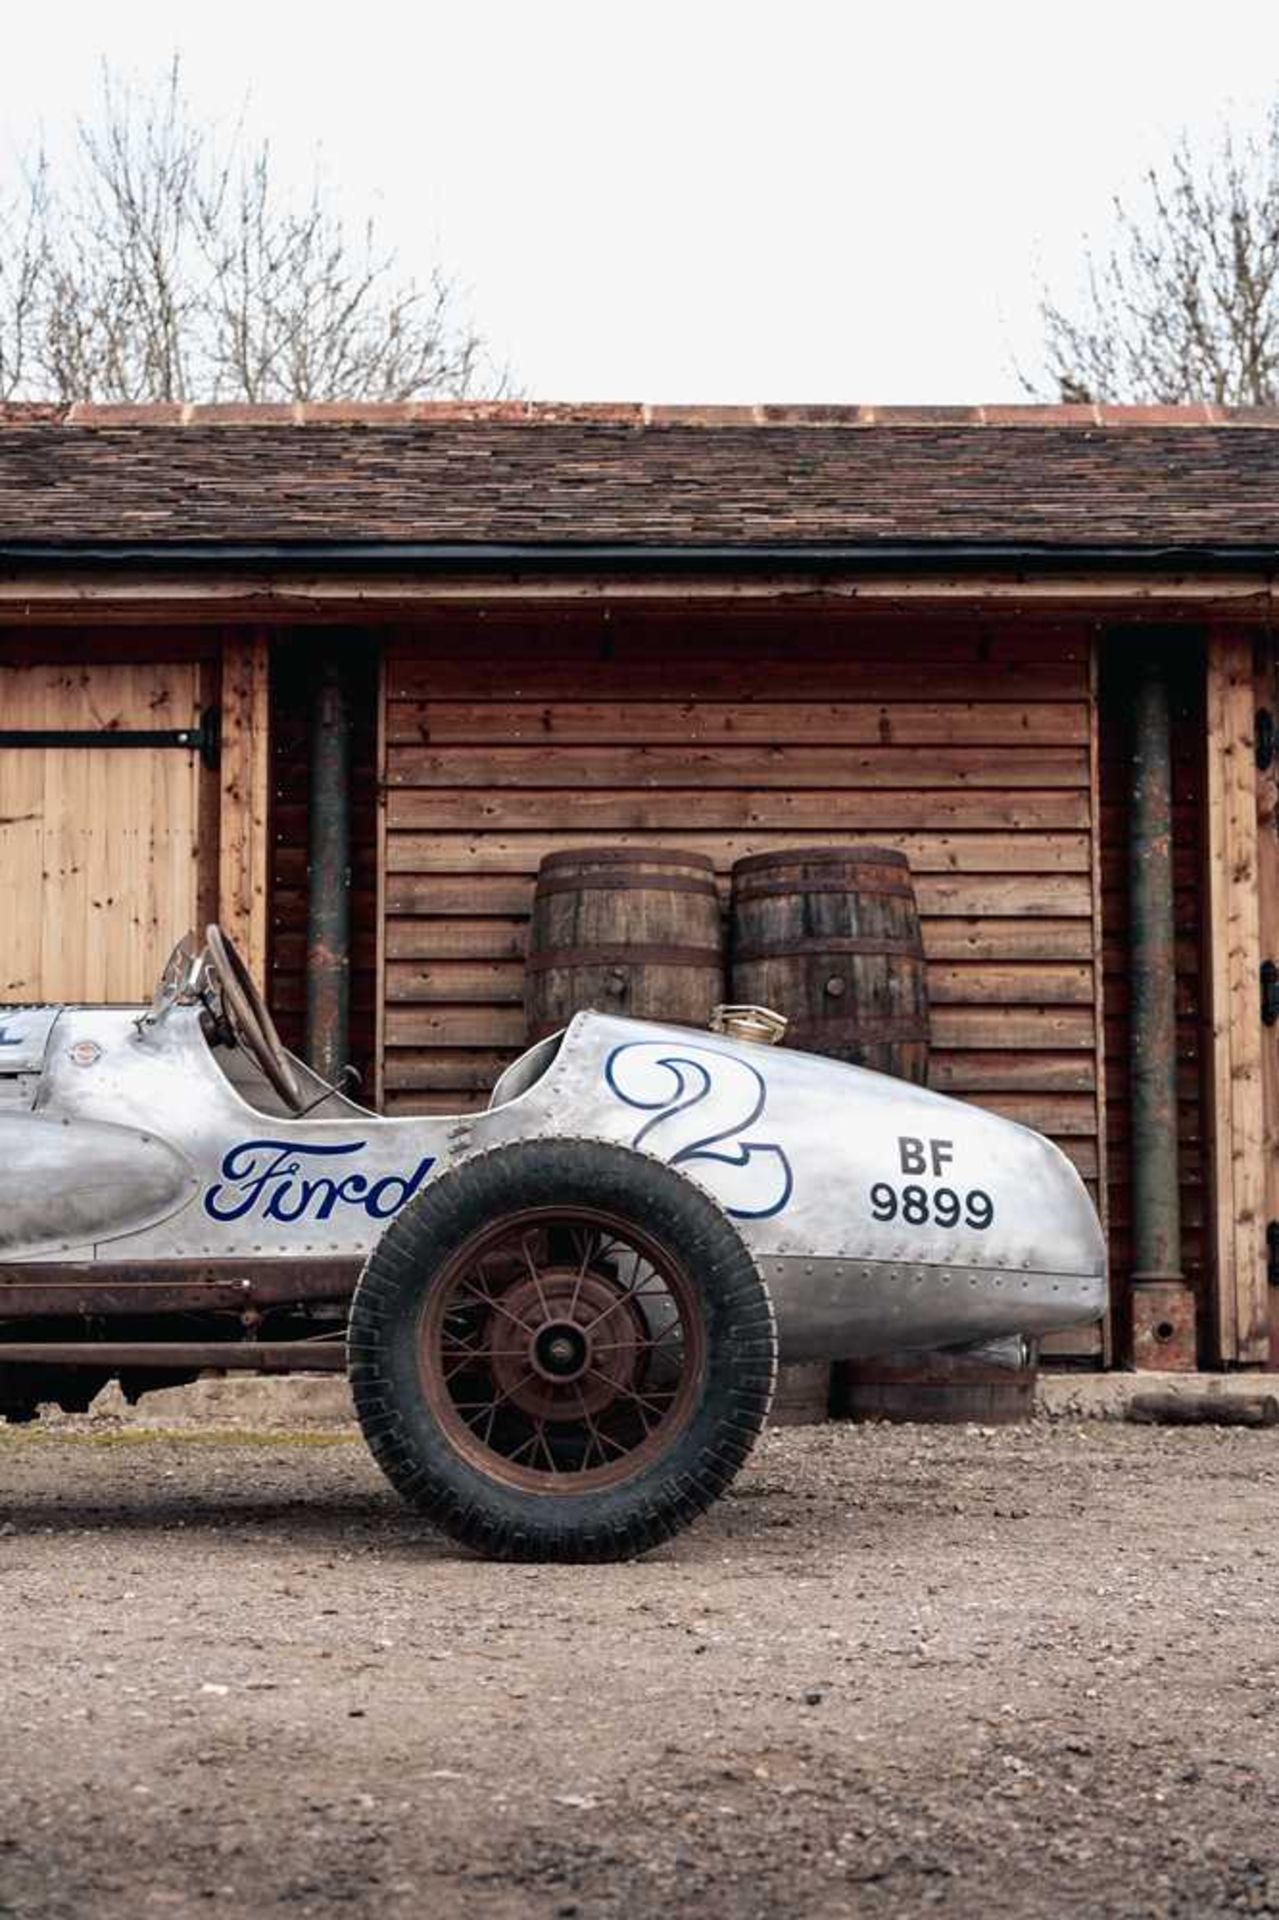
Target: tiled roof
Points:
(524, 474)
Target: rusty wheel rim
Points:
(562, 1350)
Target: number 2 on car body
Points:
(918, 1206)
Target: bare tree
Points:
(1185, 304)
(161, 265)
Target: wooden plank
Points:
(306, 596)
(500, 980)
(1013, 1029)
(469, 939)
(244, 851)
(616, 810)
(986, 939)
(445, 1068)
(1012, 986)
(603, 723)
(401, 1105)
(977, 1071)
(495, 982)
(1060, 1115)
(546, 670)
(1050, 941)
(1234, 954)
(713, 764)
(22, 785)
(755, 652)
(473, 1027)
(1267, 696)
(929, 853)
(171, 784)
(1044, 897)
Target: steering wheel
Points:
(247, 1016)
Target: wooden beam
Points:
(245, 794)
(32, 598)
(1234, 960)
(1266, 682)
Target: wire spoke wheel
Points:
(561, 1350)
(562, 1343)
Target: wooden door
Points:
(100, 846)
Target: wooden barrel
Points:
(830, 937)
(633, 931)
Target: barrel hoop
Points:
(623, 956)
(820, 856)
(858, 1027)
(853, 883)
(628, 883)
(817, 945)
(626, 856)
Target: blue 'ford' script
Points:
(289, 1180)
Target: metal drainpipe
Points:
(328, 956)
(1163, 1308)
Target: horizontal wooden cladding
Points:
(1039, 898)
(478, 852)
(762, 765)
(972, 723)
(622, 810)
(500, 981)
(782, 679)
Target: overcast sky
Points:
(701, 200)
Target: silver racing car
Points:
(561, 1317)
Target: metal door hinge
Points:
(204, 739)
(1269, 993)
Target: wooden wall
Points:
(967, 743)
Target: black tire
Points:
(722, 1355)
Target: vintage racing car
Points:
(561, 1316)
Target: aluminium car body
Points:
(881, 1215)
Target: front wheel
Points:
(562, 1350)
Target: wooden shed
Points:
(434, 643)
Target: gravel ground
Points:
(1025, 1671)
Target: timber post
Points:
(1233, 940)
(244, 774)
(328, 960)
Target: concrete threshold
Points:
(1109, 1396)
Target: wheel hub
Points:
(560, 1352)
(566, 1343)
